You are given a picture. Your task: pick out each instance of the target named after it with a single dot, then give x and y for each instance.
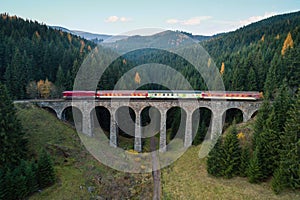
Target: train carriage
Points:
(140, 94)
(163, 94)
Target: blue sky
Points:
(116, 16)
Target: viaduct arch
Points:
(217, 108)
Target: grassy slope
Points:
(187, 178)
(77, 171)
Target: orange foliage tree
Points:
(222, 70)
(45, 88)
(288, 43)
(137, 78)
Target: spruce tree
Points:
(245, 158)
(260, 122)
(231, 153)
(254, 172)
(273, 130)
(19, 183)
(278, 181)
(31, 178)
(12, 142)
(45, 170)
(214, 161)
(288, 173)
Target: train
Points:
(164, 94)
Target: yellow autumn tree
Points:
(44, 88)
(209, 62)
(82, 46)
(263, 38)
(288, 43)
(69, 37)
(222, 70)
(137, 78)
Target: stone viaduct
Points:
(217, 108)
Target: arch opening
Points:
(254, 114)
(176, 125)
(100, 119)
(231, 115)
(201, 123)
(125, 121)
(150, 127)
(50, 110)
(73, 116)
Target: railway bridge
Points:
(86, 107)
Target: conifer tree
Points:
(287, 174)
(260, 122)
(254, 172)
(273, 130)
(231, 153)
(245, 158)
(215, 159)
(45, 170)
(278, 181)
(12, 143)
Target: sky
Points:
(120, 16)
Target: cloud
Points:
(114, 18)
(189, 22)
(256, 18)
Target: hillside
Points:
(30, 51)
(253, 57)
(79, 175)
(250, 52)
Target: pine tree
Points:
(254, 172)
(214, 163)
(31, 179)
(19, 183)
(231, 153)
(7, 186)
(12, 143)
(251, 80)
(245, 158)
(278, 181)
(260, 122)
(288, 173)
(273, 130)
(45, 170)
(60, 79)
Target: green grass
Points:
(77, 170)
(187, 178)
(79, 175)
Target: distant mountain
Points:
(163, 40)
(86, 35)
(97, 38)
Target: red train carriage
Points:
(232, 95)
(122, 94)
(111, 94)
(79, 94)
